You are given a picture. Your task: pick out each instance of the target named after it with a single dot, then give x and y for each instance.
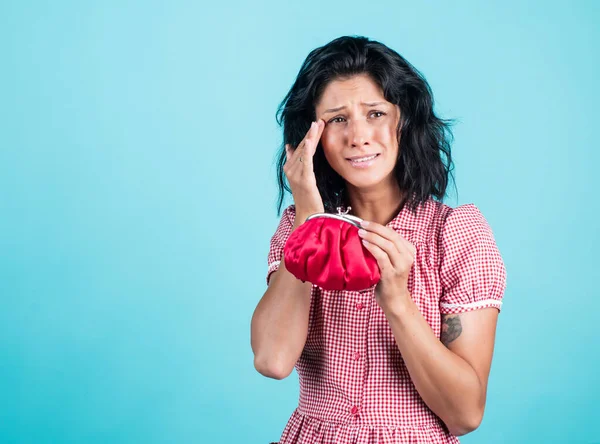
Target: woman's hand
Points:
(395, 257)
(301, 176)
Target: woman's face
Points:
(359, 140)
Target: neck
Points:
(378, 205)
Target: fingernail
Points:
(364, 223)
(362, 232)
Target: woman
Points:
(408, 360)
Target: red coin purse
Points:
(327, 251)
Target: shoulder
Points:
(472, 270)
(465, 222)
(429, 219)
(466, 237)
(290, 211)
(445, 227)
(443, 213)
(288, 216)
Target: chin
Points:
(363, 180)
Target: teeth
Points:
(364, 159)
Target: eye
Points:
(376, 113)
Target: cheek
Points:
(331, 145)
(329, 139)
(387, 134)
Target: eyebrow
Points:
(333, 110)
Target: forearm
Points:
(445, 381)
(279, 325)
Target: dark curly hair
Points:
(424, 159)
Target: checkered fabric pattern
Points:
(354, 385)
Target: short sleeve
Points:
(472, 271)
(279, 239)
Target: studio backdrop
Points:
(138, 197)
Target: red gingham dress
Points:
(354, 385)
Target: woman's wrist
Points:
(399, 307)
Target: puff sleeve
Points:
(278, 240)
(472, 271)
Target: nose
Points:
(358, 133)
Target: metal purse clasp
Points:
(343, 213)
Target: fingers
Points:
(389, 234)
(311, 141)
(310, 146)
(398, 250)
(307, 147)
(383, 260)
(300, 174)
(293, 164)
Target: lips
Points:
(363, 158)
(363, 161)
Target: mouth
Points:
(364, 161)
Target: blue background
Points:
(137, 202)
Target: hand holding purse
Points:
(327, 251)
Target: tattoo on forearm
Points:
(451, 328)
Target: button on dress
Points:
(354, 385)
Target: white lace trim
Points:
(477, 304)
(274, 265)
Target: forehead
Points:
(357, 89)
